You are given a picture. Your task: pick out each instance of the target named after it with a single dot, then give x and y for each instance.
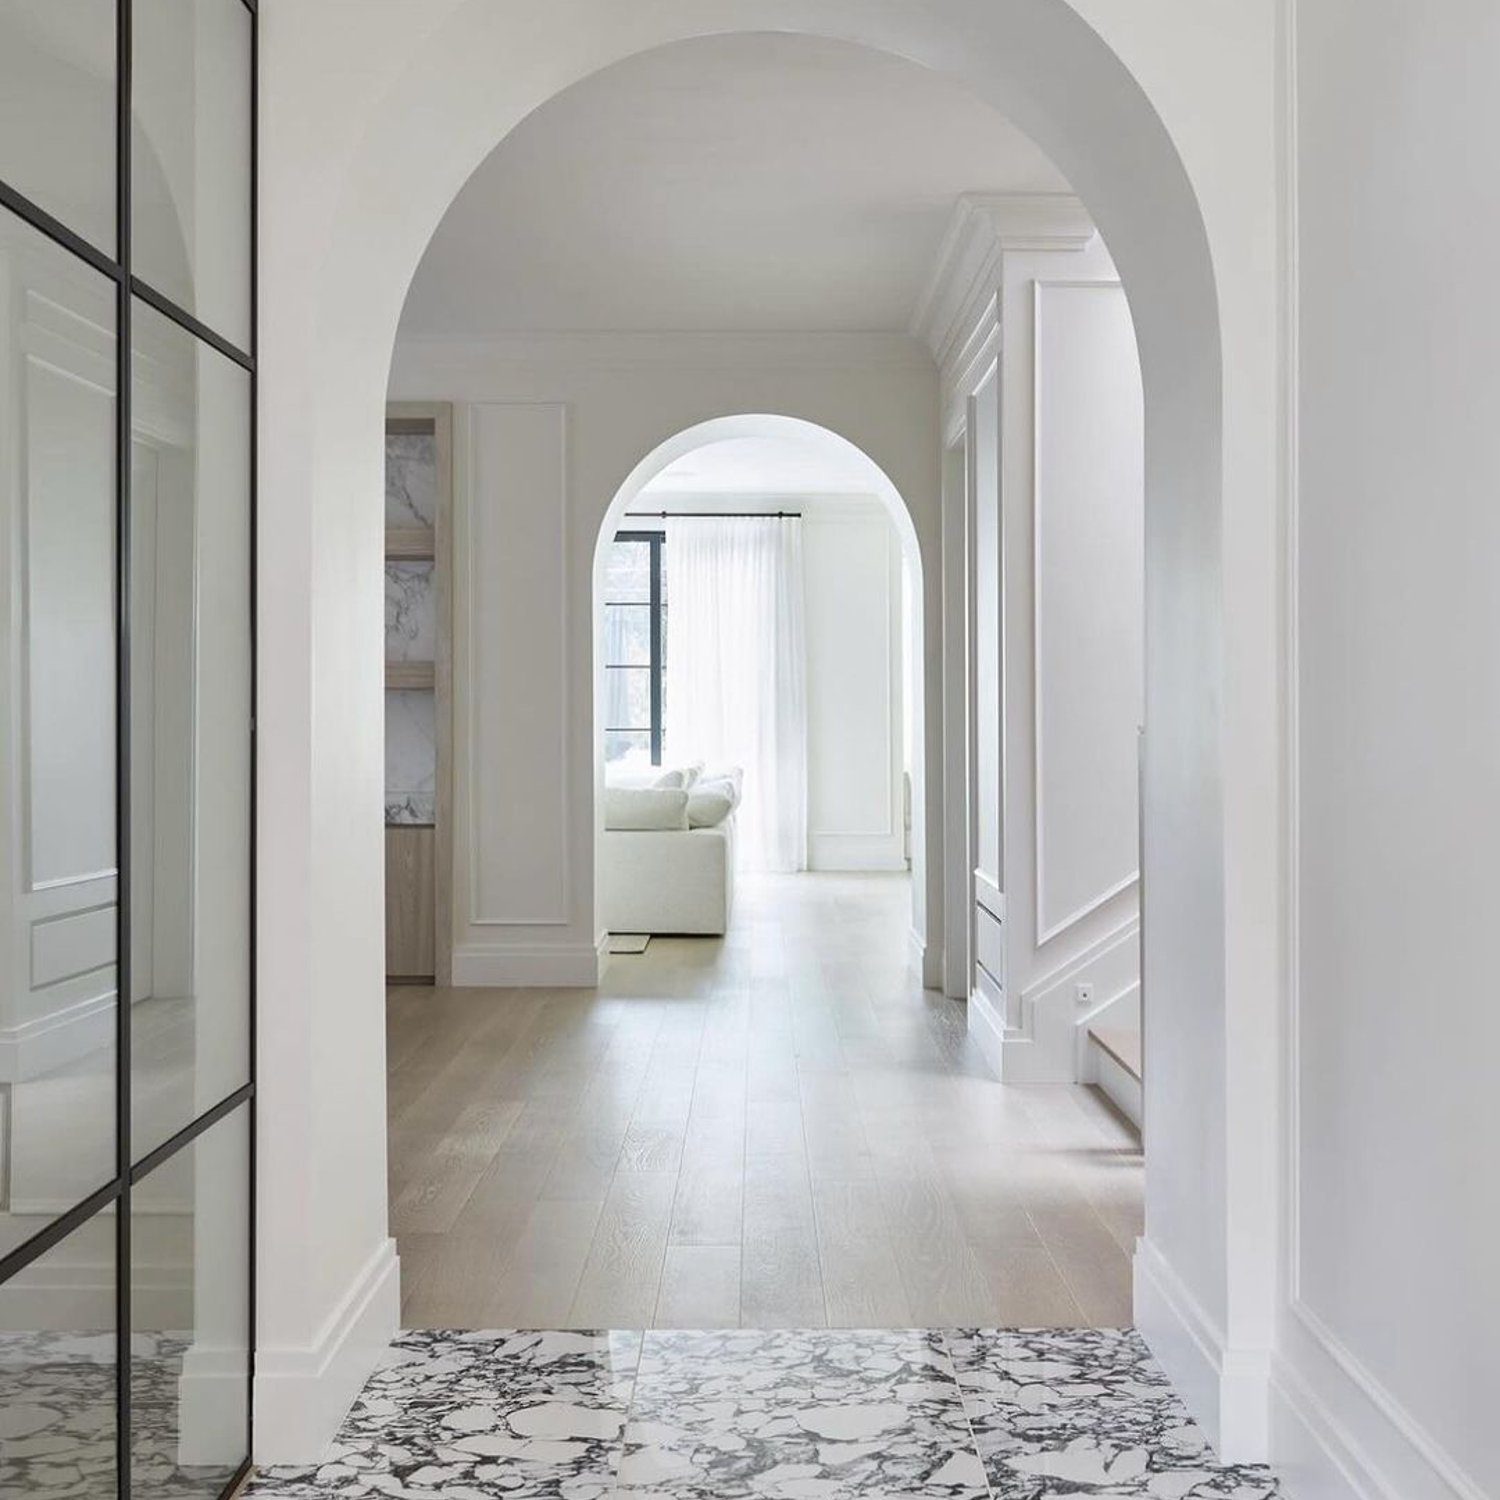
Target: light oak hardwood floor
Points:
(776, 1129)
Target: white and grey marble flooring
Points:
(784, 1415)
(57, 1419)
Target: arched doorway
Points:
(826, 453)
(435, 106)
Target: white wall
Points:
(546, 432)
(855, 764)
(1162, 118)
(1387, 1380)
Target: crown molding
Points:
(630, 350)
(965, 276)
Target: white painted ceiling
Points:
(750, 183)
(766, 466)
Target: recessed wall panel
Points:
(517, 588)
(1088, 593)
(989, 727)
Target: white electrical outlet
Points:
(1084, 993)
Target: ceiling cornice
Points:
(732, 349)
(966, 273)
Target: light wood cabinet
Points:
(410, 903)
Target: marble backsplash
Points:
(410, 479)
(410, 612)
(410, 756)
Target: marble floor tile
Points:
(469, 1416)
(57, 1414)
(1086, 1412)
(818, 1414)
(797, 1416)
(57, 1418)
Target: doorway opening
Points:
(757, 587)
(447, 107)
(701, 842)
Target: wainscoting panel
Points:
(516, 596)
(1087, 625)
(855, 801)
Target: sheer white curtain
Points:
(735, 676)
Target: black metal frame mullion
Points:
(55, 230)
(195, 326)
(253, 728)
(655, 540)
(656, 662)
(124, 36)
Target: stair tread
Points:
(1122, 1043)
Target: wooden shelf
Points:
(410, 544)
(410, 674)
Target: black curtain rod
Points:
(713, 515)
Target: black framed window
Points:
(635, 643)
(127, 668)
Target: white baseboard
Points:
(523, 965)
(1337, 1434)
(927, 960)
(210, 1411)
(986, 1022)
(1226, 1391)
(52, 1041)
(856, 851)
(303, 1393)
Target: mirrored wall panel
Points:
(57, 731)
(190, 166)
(59, 1354)
(127, 534)
(57, 111)
(190, 646)
(189, 1317)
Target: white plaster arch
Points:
(373, 117)
(921, 570)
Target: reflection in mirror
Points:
(57, 1369)
(57, 110)
(189, 1370)
(190, 157)
(57, 732)
(190, 620)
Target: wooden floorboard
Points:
(780, 1128)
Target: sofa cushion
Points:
(627, 773)
(709, 803)
(647, 807)
(728, 779)
(679, 776)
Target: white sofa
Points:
(657, 873)
(668, 880)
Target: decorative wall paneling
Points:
(1041, 387)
